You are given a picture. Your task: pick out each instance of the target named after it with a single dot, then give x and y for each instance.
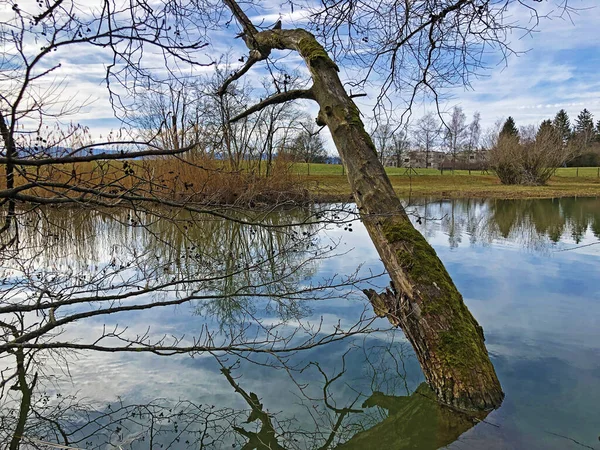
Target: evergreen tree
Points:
(598, 131)
(584, 128)
(562, 124)
(509, 128)
(546, 128)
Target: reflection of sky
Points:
(541, 314)
(540, 311)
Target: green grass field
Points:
(327, 183)
(336, 169)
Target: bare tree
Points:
(307, 146)
(456, 134)
(172, 114)
(531, 157)
(235, 141)
(473, 133)
(383, 134)
(400, 145)
(423, 285)
(426, 135)
(277, 129)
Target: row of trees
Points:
(455, 136)
(583, 134)
(183, 113)
(428, 134)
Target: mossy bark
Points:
(425, 302)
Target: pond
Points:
(249, 337)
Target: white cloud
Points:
(557, 69)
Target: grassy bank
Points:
(328, 182)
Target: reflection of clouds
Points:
(540, 312)
(545, 395)
(102, 378)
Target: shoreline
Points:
(335, 188)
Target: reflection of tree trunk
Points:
(266, 438)
(447, 340)
(417, 421)
(26, 391)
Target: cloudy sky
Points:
(556, 68)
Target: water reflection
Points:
(534, 224)
(294, 357)
(104, 283)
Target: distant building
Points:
(418, 159)
(467, 160)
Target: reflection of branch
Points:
(329, 382)
(281, 97)
(26, 397)
(340, 412)
(266, 438)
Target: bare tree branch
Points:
(281, 97)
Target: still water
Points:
(323, 371)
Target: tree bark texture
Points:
(424, 301)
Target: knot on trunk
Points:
(385, 304)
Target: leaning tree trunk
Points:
(424, 301)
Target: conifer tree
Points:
(546, 127)
(584, 128)
(509, 128)
(562, 124)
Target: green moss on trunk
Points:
(460, 341)
(312, 51)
